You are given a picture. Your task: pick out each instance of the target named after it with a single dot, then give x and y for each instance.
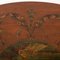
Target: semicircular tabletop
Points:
(30, 31)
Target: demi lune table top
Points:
(29, 31)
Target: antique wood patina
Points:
(30, 31)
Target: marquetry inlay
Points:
(27, 33)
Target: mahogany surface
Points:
(29, 21)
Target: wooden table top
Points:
(25, 22)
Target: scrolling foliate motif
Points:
(30, 49)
